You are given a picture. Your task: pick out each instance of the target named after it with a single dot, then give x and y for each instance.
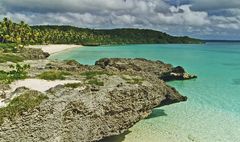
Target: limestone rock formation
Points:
(113, 95)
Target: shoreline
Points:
(54, 48)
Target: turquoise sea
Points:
(212, 112)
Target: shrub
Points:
(53, 75)
(23, 103)
(73, 85)
(10, 57)
(19, 72)
(8, 47)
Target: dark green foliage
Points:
(90, 37)
(23, 103)
(18, 73)
(53, 75)
(10, 33)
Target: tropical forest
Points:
(23, 34)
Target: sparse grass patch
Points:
(133, 80)
(23, 103)
(4, 57)
(92, 74)
(95, 82)
(91, 77)
(73, 85)
(53, 75)
(8, 47)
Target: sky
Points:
(205, 19)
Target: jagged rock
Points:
(33, 54)
(178, 69)
(145, 67)
(177, 73)
(92, 113)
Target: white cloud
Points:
(182, 15)
(191, 19)
(229, 26)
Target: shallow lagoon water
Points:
(212, 112)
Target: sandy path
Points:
(54, 48)
(39, 84)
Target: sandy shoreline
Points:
(55, 48)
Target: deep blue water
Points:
(212, 112)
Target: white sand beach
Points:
(55, 48)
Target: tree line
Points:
(24, 34)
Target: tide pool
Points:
(212, 112)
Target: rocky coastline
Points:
(112, 96)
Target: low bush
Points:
(73, 85)
(23, 103)
(7, 57)
(18, 72)
(53, 75)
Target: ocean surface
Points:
(212, 112)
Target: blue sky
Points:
(205, 19)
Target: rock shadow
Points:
(118, 138)
(157, 113)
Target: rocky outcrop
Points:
(91, 111)
(177, 73)
(33, 54)
(159, 69)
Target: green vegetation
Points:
(7, 51)
(6, 57)
(95, 81)
(23, 34)
(133, 80)
(91, 77)
(18, 73)
(73, 85)
(92, 74)
(24, 103)
(53, 75)
(93, 37)
(7, 47)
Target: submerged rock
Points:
(113, 96)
